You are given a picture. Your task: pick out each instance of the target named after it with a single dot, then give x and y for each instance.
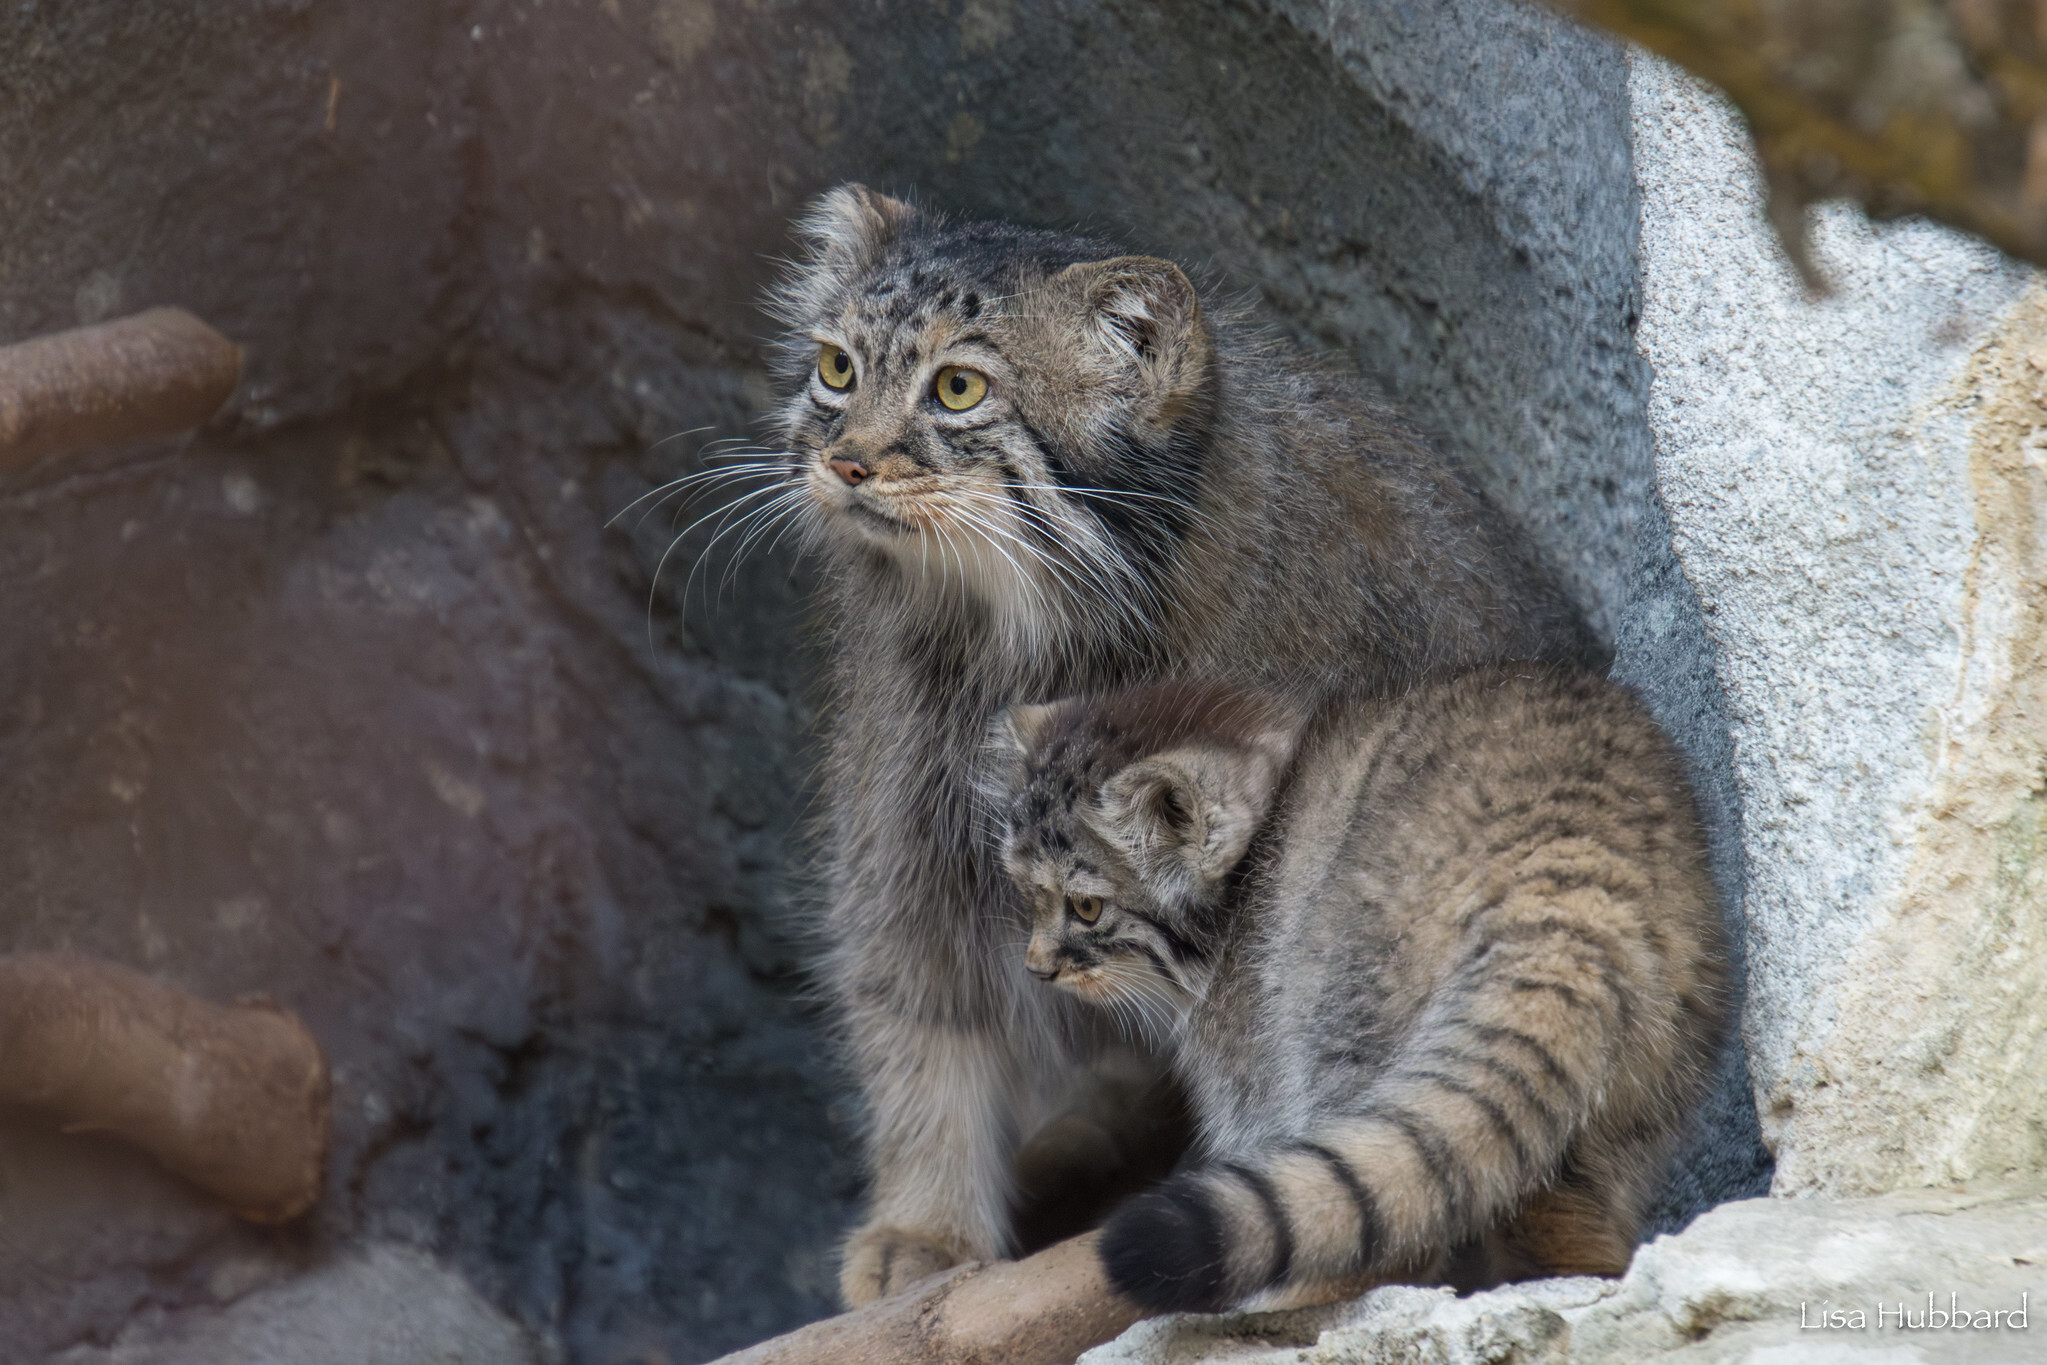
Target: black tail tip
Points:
(1164, 1250)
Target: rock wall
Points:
(1852, 483)
(355, 699)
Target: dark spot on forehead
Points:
(971, 304)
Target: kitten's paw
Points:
(1165, 1249)
(881, 1260)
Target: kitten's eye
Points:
(959, 389)
(834, 367)
(1087, 909)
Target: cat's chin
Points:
(876, 526)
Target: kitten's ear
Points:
(1018, 730)
(1027, 724)
(851, 223)
(1144, 314)
(1013, 735)
(1156, 808)
(1195, 807)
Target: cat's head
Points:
(1121, 821)
(1011, 417)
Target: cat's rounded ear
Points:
(1155, 807)
(1145, 314)
(1165, 812)
(850, 224)
(1196, 809)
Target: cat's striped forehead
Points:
(1046, 815)
(937, 283)
(1078, 745)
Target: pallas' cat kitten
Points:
(1442, 974)
(1034, 466)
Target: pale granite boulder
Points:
(1854, 485)
(1916, 1276)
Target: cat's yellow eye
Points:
(1087, 909)
(834, 367)
(959, 389)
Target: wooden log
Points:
(148, 375)
(232, 1098)
(1043, 1310)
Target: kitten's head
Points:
(1013, 418)
(1123, 818)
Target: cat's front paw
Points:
(882, 1260)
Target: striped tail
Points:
(1477, 1112)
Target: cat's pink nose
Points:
(852, 471)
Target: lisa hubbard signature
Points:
(1901, 1317)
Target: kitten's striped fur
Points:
(1146, 489)
(1439, 972)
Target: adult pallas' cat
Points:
(1033, 466)
(1442, 973)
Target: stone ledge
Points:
(1730, 1288)
(384, 1304)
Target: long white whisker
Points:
(667, 490)
(726, 523)
(1109, 576)
(753, 515)
(992, 536)
(726, 479)
(727, 509)
(775, 512)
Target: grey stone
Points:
(1852, 485)
(354, 699)
(381, 1305)
(1757, 1282)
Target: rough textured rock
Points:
(1909, 108)
(1853, 485)
(1756, 1282)
(381, 1305)
(354, 699)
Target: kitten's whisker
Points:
(677, 436)
(789, 499)
(730, 477)
(1081, 490)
